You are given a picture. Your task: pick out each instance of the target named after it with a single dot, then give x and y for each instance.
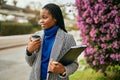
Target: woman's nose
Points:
(40, 21)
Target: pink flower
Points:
(103, 46)
(96, 19)
(94, 63)
(93, 32)
(115, 45)
(117, 20)
(89, 20)
(99, 0)
(103, 39)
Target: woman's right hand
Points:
(33, 45)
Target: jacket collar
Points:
(57, 45)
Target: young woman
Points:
(44, 53)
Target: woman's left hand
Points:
(56, 67)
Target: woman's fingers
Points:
(55, 67)
(34, 45)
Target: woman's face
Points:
(46, 19)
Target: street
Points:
(13, 65)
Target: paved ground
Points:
(13, 65)
(8, 41)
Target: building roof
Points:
(13, 10)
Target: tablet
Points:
(72, 54)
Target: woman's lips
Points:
(42, 25)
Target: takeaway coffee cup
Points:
(34, 37)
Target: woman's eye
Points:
(44, 17)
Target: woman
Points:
(44, 53)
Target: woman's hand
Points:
(33, 45)
(56, 67)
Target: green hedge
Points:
(14, 28)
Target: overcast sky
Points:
(23, 3)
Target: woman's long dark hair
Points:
(57, 14)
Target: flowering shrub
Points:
(99, 24)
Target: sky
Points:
(23, 3)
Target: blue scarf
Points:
(49, 38)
